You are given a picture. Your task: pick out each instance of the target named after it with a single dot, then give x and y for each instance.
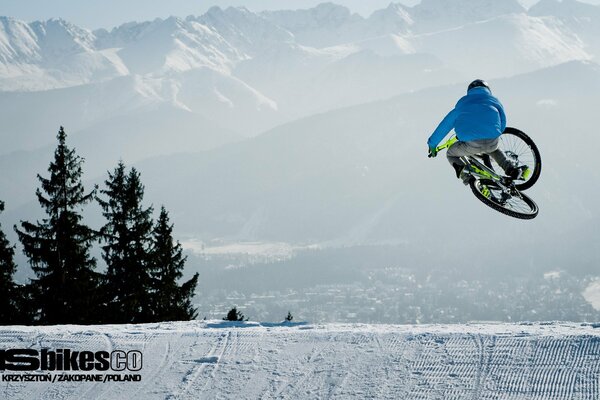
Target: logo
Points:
(60, 360)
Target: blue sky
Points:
(94, 14)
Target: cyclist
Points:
(478, 120)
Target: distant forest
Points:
(144, 263)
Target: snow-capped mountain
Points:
(225, 98)
(432, 15)
(55, 53)
(246, 72)
(581, 18)
(51, 54)
(505, 46)
(41, 41)
(247, 31)
(566, 9)
(324, 25)
(396, 18)
(170, 45)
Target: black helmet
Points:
(478, 83)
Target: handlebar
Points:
(447, 143)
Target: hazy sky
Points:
(108, 13)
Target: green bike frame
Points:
(476, 168)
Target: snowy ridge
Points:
(171, 45)
(442, 14)
(56, 53)
(521, 43)
(244, 29)
(207, 359)
(394, 18)
(52, 54)
(249, 72)
(566, 9)
(582, 18)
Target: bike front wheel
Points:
(514, 204)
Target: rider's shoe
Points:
(465, 176)
(458, 169)
(462, 173)
(521, 172)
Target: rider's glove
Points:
(432, 152)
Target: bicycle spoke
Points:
(515, 204)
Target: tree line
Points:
(143, 262)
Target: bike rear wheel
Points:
(520, 149)
(516, 205)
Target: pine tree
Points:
(9, 314)
(58, 248)
(127, 234)
(235, 315)
(171, 302)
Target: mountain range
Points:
(228, 64)
(305, 126)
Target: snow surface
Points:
(216, 359)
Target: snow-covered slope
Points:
(433, 15)
(51, 54)
(566, 9)
(213, 95)
(505, 46)
(216, 359)
(249, 32)
(32, 116)
(396, 18)
(581, 18)
(224, 98)
(78, 108)
(173, 44)
(324, 25)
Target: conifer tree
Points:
(170, 301)
(127, 234)
(58, 247)
(9, 312)
(235, 315)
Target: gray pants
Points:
(485, 146)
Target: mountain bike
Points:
(490, 184)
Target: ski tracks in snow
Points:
(196, 387)
(208, 360)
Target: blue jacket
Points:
(476, 116)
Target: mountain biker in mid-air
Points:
(478, 120)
